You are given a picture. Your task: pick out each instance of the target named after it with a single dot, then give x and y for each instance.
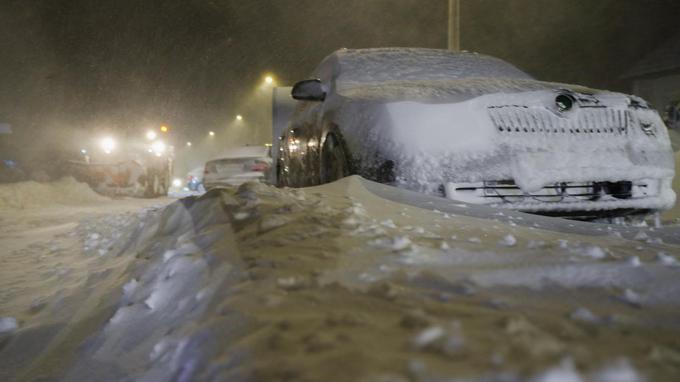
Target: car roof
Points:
(412, 64)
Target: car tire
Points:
(334, 160)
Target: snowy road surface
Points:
(351, 281)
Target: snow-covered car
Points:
(237, 166)
(474, 128)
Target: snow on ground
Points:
(348, 281)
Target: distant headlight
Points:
(564, 102)
(176, 182)
(107, 144)
(158, 147)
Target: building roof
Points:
(664, 58)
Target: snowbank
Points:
(32, 194)
(342, 282)
(674, 213)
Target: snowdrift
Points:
(358, 281)
(34, 194)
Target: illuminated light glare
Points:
(176, 182)
(212, 133)
(189, 144)
(239, 117)
(158, 147)
(83, 151)
(164, 129)
(268, 80)
(108, 144)
(151, 135)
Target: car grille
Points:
(523, 119)
(508, 192)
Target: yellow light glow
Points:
(269, 80)
(239, 117)
(164, 128)
(212, 133)
(189, 144)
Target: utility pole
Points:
(454, 25)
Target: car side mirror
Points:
(309, 90)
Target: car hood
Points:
(446, 90)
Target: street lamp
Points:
(189, 144)
(239, 117)
(269, 80)
(212, 133)
(151, 135)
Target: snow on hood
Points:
(447, 90)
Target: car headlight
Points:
(564, 102)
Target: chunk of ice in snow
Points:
(8, 324)
(400, 242)
(444, 246)
(667, 260)
(655, 240)
(241, 215)
(508, 240)
(634, 261)
(618, 371)
(631, 297)
(595, 252)
(475, 240)
(583, 314)
(641, 235)
(565, 372)
(388, 223)
(130, 287)
(427, 336)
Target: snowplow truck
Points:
(136, 173)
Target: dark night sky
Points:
(126, 64)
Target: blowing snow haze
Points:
(69, 67)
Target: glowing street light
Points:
(83, 151)
(189, 144)
(269, 80)
(151, 135)
(212, 133)
(164, 128)
(239, 117)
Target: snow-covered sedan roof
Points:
(363, 66)
(425, 74)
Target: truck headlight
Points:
(107, 144)
(158, 147)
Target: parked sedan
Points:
(475, 128)
(237, 166)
